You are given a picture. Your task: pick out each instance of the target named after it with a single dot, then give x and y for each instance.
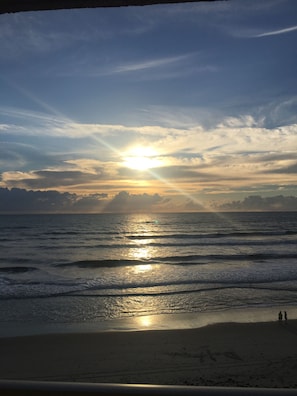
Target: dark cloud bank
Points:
(18, 200)
(256, 203)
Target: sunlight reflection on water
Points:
(141, 253)
(145, 321)
(142, 268)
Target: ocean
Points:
(122, 271)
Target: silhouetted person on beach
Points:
(280, 316)
(285, 315)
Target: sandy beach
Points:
(234, 354)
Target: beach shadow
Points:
(292, 328)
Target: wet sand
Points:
(232, 354)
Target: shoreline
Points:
(229, 354)
(175, 321)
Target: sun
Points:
(141, 158)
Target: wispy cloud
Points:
(149, 64)
(277, 32)
(29, 33)
(29, 115)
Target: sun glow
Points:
(145, 321)
(142, 158)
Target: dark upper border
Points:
(7, 6)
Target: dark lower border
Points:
(28, 388)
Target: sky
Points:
(163, 108)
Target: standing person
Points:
(280, 316)
(285, 314)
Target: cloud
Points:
(232, 153)
(165, 173)
(19, 200)
(149, 64)
(90, 166)
(277, 32)
(33, 122)
(48, 179)
(286, 169)
(126, 203)
(155, 121)
(26, 34)
(29, 34)
(258, 203)
(193, 206)
(277, 114)
(161, 68)
(89, 203)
